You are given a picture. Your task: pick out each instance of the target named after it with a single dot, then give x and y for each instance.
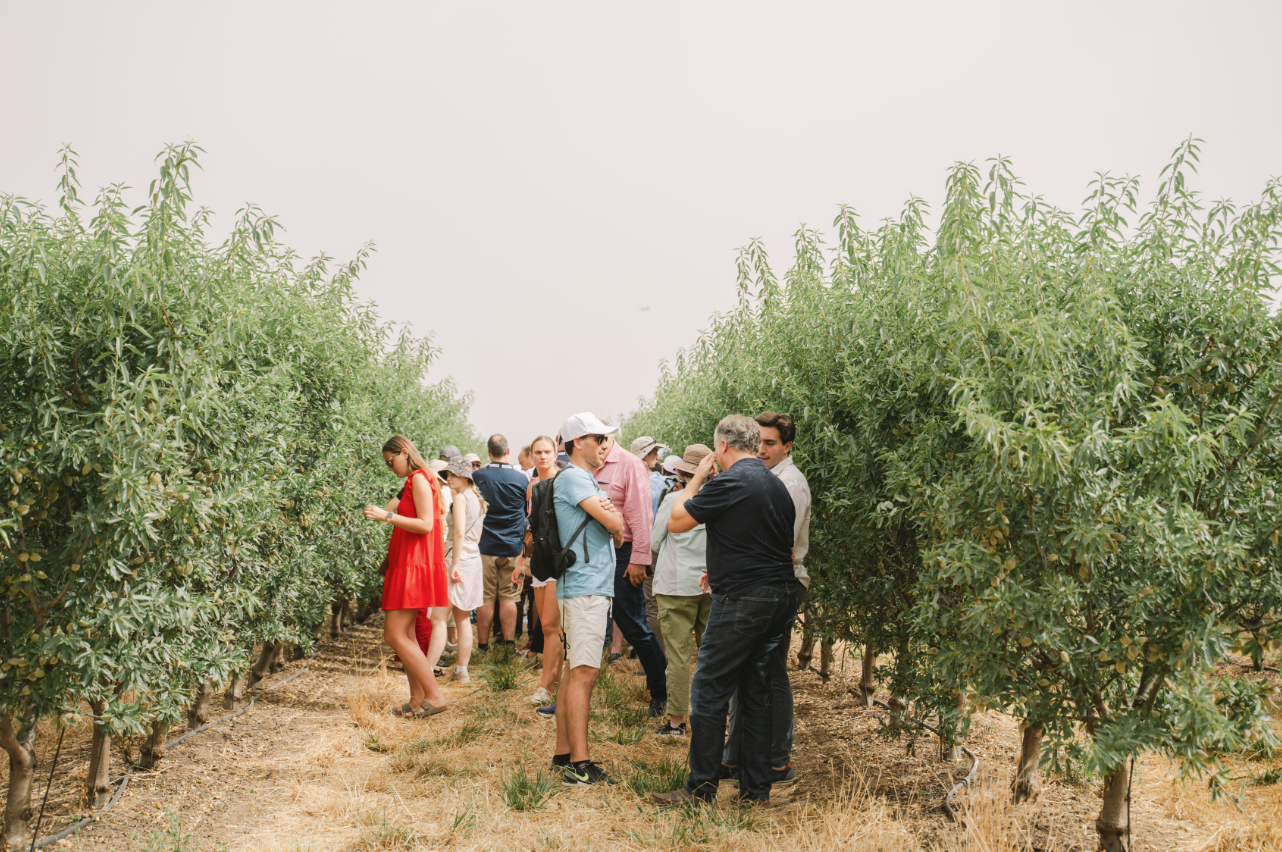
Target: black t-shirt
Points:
(749, 515)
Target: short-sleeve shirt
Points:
(749, 514)
(595, 576)
(503, 487)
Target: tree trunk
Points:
(825, 659)
(1113, 818)
(1027, 779)
(98, 782)
(153, 748)
(277, 661)
(898, 707)
(20, 744)
(867, 685)
(262, 664)
(199, 712)
(341, 611)
(235, 691)
(807, 650)
(949, 747)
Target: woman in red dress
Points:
(415, 578)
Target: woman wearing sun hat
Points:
(466, 574)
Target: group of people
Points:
(699, 553)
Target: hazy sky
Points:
(535, 174)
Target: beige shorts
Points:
(583, 629)
(498, 579)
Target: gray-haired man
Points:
(749, 517)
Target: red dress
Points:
(415, 577)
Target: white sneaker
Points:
(451, 646)
(460, 676)
(541, 696)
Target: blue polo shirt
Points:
(503, 487)
(594, 575)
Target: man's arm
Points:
(603, 511)
(681, 520)
(638, 511)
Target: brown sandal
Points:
(429, 710)
(405, 711)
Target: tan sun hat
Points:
(690, 459)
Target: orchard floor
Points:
(319, 764)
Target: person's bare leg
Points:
(553, 650)
(417, 690)
(463, 621)
(507, 618)
(398, 632)
(562, 732)
(484, 618)
(616, 643)
(436, 646)
(578, 700)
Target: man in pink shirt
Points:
(627, 483)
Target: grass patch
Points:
(469, 732)
(662, 775)
(610, 689)
(388, 835)
(373, 743)
(696, 825)
(422, 765)
(525, 792)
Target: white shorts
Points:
(583, 629)
(536, 583)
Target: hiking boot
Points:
(541, 696)
(547, 713)
(671, 730)
(613, 657)
(587, 774)
(777, 802)
(658, 707)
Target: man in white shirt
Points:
(777, 434)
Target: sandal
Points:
(437, 671)
(405, 711)
(429, 710)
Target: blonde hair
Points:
(395, 444)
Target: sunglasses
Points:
(600, 439)
(389, 462)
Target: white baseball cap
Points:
(669, 461)
(582, 424)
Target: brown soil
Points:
(319, 765)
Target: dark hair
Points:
(777, 420)
(497, 446)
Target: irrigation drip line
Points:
(124, 782)
(965, 782)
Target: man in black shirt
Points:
(749, 517)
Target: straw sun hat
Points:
(691, 458)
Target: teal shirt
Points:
(596, 576)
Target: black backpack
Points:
(548, 560)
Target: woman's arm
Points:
(460, 524)
(423, 504)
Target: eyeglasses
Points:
(389, 462)
(600, 439)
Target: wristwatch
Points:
(390, 515)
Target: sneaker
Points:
(460, 676)
(560, 762)
(484, 647)
(587, 774)
(657, 708)
(613, 656)
(783, 776)
(548, 712)
(671, 730)
(541, 696)
(451, 647)
(677, 797)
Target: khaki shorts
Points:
(583, 629)
(498, 579)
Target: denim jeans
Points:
(781, 709)
(629, 613)
(739, 645)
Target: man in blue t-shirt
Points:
(503, 487)
(583, 592)
(749, 517)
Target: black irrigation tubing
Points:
(124, 782)
(965, 782)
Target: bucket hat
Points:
(689, 462)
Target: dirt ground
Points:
(318, 764)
